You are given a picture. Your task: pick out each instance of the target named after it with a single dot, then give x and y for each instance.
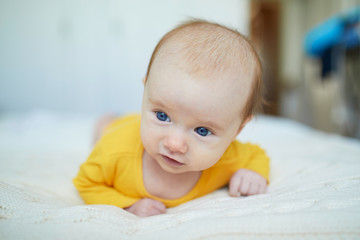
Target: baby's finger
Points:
(244, 187)
(253, 189)
(234, 185)
(160, 206)
(153, 212)
(262, 188)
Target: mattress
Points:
(314, 190)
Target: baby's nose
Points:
(175, 143)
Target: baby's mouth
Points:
(172, 162)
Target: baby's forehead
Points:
(217, 92)
(206, 51)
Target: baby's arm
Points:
(95, 188)
(97, 193)
(246, 182)
(94, 183)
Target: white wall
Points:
(90, 55)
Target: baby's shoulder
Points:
(123, 134)
(123, 121)
(239, 145)
(239, 149)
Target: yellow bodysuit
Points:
(113, 172)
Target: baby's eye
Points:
(162, 116)
(203, 131)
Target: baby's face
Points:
(188, 123)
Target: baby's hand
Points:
(147, 207)
(246, 182)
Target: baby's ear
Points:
(243, 124)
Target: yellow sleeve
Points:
(257, 160)
(245, 155)
(95, 182)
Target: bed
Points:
(314, 190)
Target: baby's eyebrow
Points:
(212, 125)
(156, 102)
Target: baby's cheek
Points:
(146, 137)
(205, 161)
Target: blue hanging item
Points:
(328, 40)
(324, 36)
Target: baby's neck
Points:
(164, 184)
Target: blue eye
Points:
(202, 131)
(162, 116)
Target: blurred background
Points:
(90, 56)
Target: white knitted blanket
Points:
(314, 191)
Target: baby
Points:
(203, 85)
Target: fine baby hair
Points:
(209, 48)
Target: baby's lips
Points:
(172, 161)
